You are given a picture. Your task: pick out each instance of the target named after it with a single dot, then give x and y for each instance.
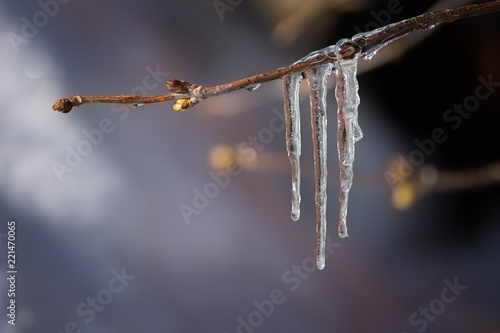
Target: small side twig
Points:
(430, 180)
(187, 94)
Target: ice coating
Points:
(348, 133)
(316, 78)
(385, 35)
(320, 54)
(369, 53)
(293, 139)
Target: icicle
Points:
(316, 78)
(293, 145)
(345, 52)
(349, 132)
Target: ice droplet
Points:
(253, 87)
(316, 78)
(348, 133)
(291, 86)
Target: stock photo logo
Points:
(89, 309)
(428, 314)
(453, 117)
(247, 152)
(94, 138)
(222, 6)
(291, 280)
(31, 27)
(383, 16)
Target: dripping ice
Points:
(349, 133)
(293, 145)
(316, 78)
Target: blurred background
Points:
(122, 227)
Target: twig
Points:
(380, 37)
(430, 180)
(366, 44)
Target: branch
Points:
(370, 42)
(363, 44)
(430, 180)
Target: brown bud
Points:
(63, 105)
(179, 86)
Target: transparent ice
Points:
(369, 53)
(316, 78)
(293, 140)
(253, 87)
(319, 54)
(349, 133)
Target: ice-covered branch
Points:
(368, 43)
(341, 59)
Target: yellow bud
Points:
(182, 104)
(221, 156)
(403, 195)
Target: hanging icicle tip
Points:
(317, 81)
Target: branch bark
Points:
(366, 44)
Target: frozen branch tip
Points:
(341, 60)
